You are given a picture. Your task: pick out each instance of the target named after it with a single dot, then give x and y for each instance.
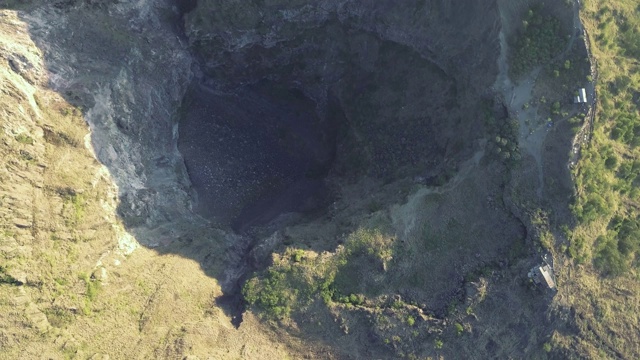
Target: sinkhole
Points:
(255, 153)
(266, 131)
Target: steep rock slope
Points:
(73, 282)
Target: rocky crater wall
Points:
(129, 66)
(126, 66)
(381, 89)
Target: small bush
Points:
(397, 304)
(608, 258)
(438, 344)
(297, 255)
(611, 162)
(6, 278)
(24, 139)
(272, 294)
(555, 108)
(59, 317)
(469, 310)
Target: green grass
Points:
(605, 238)
(92, 290)
(608, 174)
(296, 280)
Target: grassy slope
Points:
(69, 286)
(602, 287)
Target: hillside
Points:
(334, 179)
(602, 280)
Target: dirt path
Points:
(533, 129)
(516, 95)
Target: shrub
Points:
(629, 237)
(272, 294)
(24, 139)
(295, 280)
(297, 255)
(438, 344)
(397, 304)
(608, 258)
(59, 317)
(555, 108)
(538, 41)
(611, 162)
(5, 278)
(469, 310)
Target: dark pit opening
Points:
(269, 130)
(255, 152)
(263, 129)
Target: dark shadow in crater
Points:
(255, 153)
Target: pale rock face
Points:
(129, 71)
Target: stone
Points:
(22, 223)
(99, 274)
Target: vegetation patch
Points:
(298, 278)
(606, 204)
(607, 177)
(540, 38)
(24, 139)
(59, 317)
(5, 278)
(503, 135)
(616, 251)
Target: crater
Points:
(277, 130)
(256, 152)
